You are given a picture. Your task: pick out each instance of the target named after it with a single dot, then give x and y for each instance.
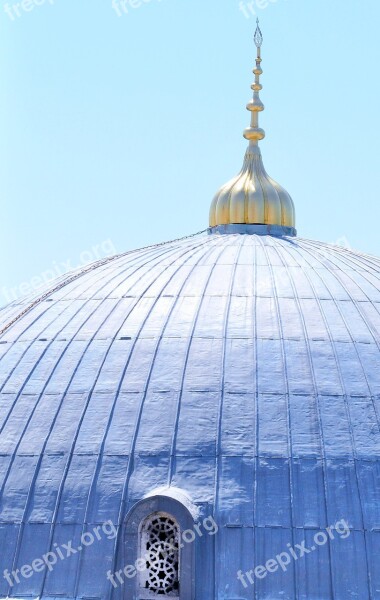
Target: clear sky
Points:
(117, 127)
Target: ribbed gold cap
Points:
(253, 197)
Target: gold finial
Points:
(253, 198)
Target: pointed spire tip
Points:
(258, 35)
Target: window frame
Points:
(136, 517)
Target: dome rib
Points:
(287, 393)
(218, 441)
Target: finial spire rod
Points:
(253, 133)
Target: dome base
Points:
(243, 228)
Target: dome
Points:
(242, 369)
(197, 419)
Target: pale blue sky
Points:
(122, 128)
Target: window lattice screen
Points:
(160, 547)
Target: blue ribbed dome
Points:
(243, 370)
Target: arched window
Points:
(159, 546)
(153, 552)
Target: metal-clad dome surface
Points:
(241, 369)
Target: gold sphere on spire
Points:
(254, 198)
